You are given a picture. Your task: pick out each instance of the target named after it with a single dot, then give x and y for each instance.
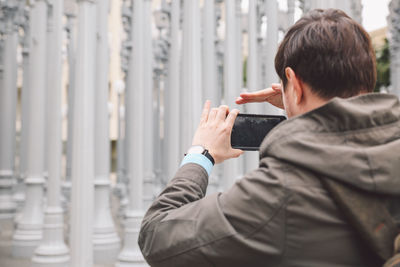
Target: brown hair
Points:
(330, 52)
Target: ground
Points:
(6, 232)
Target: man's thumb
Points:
(237, 152)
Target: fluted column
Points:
(209, 71)
(291, 5)
(356, 10)
(172, 103)
(82, 173)
(70, 13)
(126, 50)
(2, 32)
(105, 239)
(394, 45)
(19, 195)
(271, 46)
(8, 99)
(52, 251)
(322, 3)
(305, 5)
(29, 229)
(121, 186)
(353, 8)
(238, 49)
(148, 113)
(130, 254)
(232, 85)
(191, 95)
(253, 81)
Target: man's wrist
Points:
(199, 149)
(199, 159)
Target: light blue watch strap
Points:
(199, 159)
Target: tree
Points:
(383, 67)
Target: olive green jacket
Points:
(280, 214)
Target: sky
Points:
(374, 14)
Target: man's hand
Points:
(272, 95)
(214, 132)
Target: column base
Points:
(131, 254)
(52, 251)
(106, 246)
(50, 260)
(131, 261)
(25, 240)
(29, 231)
(106, 242)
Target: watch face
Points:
(196, 150)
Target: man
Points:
(280, 214)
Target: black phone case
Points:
(248, 134)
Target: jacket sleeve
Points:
(240, 227)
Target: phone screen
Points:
(250, 130)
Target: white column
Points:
(209, 71)
(191, 99)
(8, 99)
(253, 81)
(305, 5)
(252, 60)
(2, 32)
(291, 5)
(106, 242)
(126, 51)
(238, 48)
(353, 8)
(19, 195)
(344, 5)
(356, 10)
(121, 186)
(52, 251)
(130, 254)
(209, 55)
(149, 116)
(29, 229)
(71, 51)
(272, 12)
(172, 102)
(232, 85)
(272, 46)
(323, 4)
(82, 195)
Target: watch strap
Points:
(204, 153)
(208, 155)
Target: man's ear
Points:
(297, 85)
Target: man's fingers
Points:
(221, 114)
(277, 87)
(230, 119)
(254, 97)
(257, 94)
(213, 114)
(206, 110)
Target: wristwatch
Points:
(200, 150)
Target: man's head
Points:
(323, 55)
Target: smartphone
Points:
(250, 130)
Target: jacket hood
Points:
(354, 140)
